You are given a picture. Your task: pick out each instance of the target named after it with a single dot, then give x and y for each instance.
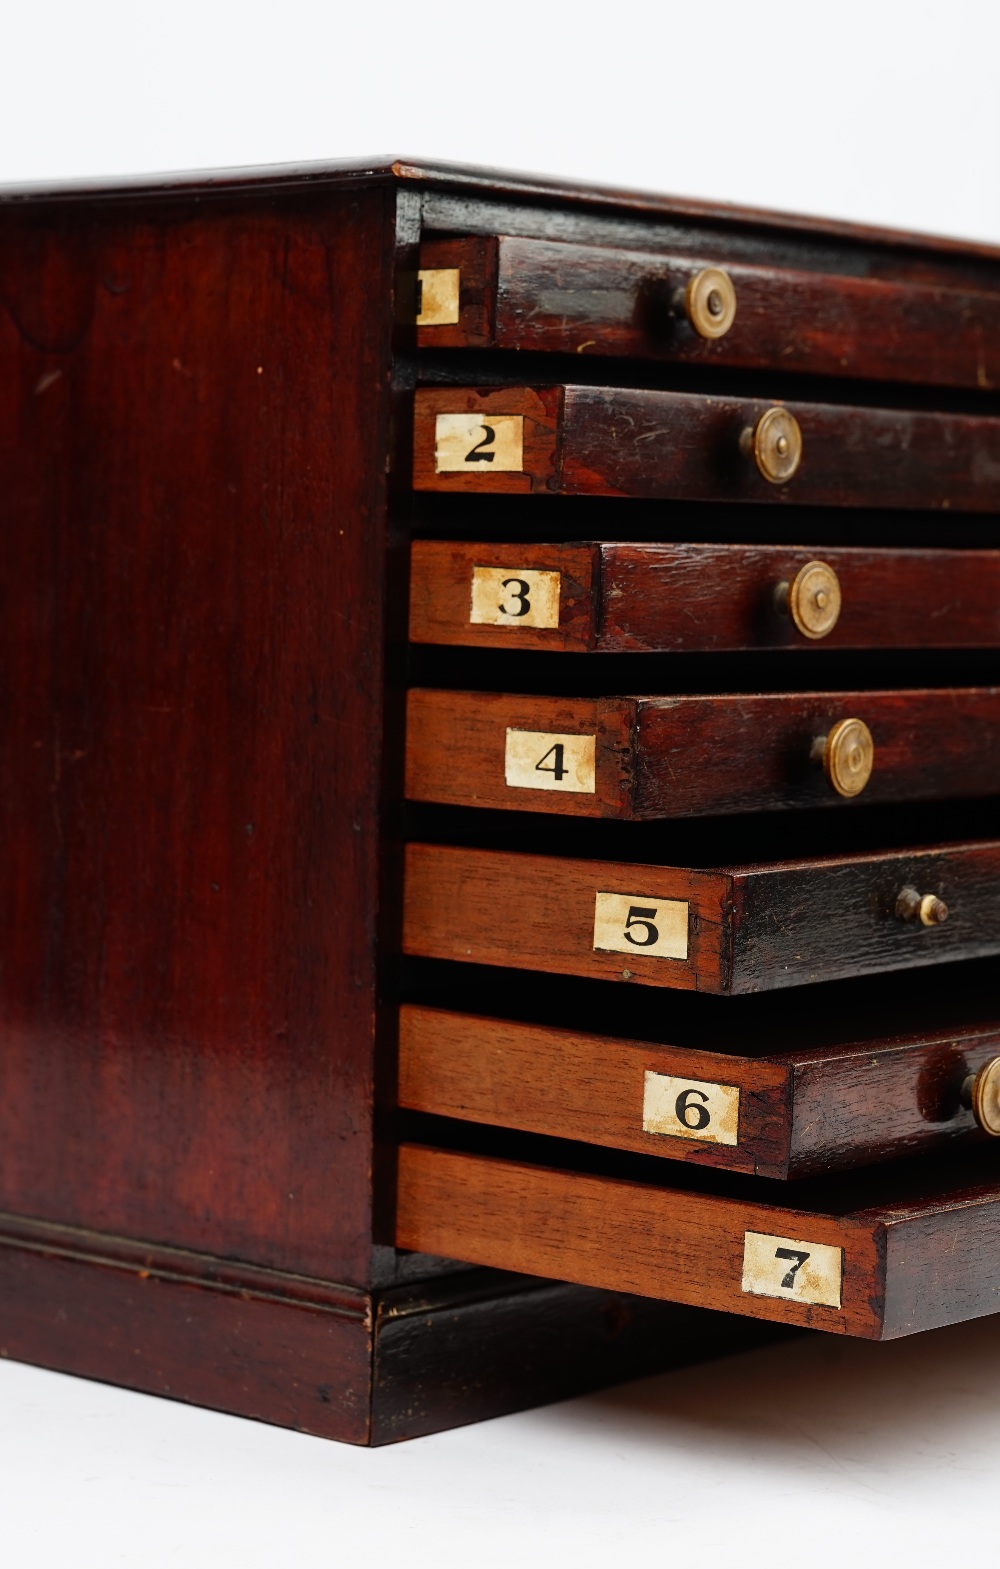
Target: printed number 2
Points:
(788, 1279)
(518, 591)
(641, 915)
(558, 768)
(477, 455)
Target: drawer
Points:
(729, 930)
(791, 1113)
(636, 598)
(896, 1253)
(608, 441)
(657, 757)
(507, 293)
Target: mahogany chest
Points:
(500, 761)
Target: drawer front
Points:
(794, 1114)
(508, 293)
(878, 1272)
(650, 758)
(732, 930)
(626, 598)
(605, 441)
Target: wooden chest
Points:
(403, 1020)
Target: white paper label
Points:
(690, 1109)
(479, 444)
(637, 923)
(514, 597)
(438, 296)
(542, 760)
(797, 1271)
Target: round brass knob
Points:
(814, 599)
(985, 1097)
(927, 908)
(710, 302)
(849, 756)
(776, 443)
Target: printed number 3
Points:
(641, 915)
(518, 588)
(788, 1279)
(477, 455)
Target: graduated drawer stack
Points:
(702, 874)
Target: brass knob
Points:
(849, 756)
(985, 1097)
(710, 302)
(776, 444)
(812, 599)
(927, 908)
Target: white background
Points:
(816, 1453)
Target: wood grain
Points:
(750, 928)
(805, 1110)
(688, 756)
(686, 446)
(680, 1245)
(650, 598)
(555, 297)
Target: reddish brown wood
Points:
(579, 299)
(441, 588)
(915, 1258)
(631, 598)
(678, 445)
(191, 881)
(540, 411)
(658, 1241)
(686, 756)
(750, 929)
(806, 1109)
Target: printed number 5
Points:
(788, 1279)
(641, 915)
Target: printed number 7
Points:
(788, 1279)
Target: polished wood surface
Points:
(916, 1252)
(574, 299)
(612, 441)
(751, 928)
(660, 757)
(802, 1110)
(652, 598)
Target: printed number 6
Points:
(685, 1106)
(641, 915)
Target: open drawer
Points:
(899, 1251)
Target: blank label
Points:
(514, 597)
(540, 760)
(437, 296)
(690, 1109)
(797, 1271)
(479, 444)
(639, 923)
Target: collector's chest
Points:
(499, 759)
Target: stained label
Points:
(438, 296)
(514, 597)
(690, 1109)
(479, 444)
(791, 1269)
(543, 760)
(637, 923)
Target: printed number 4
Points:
(641, 915)
(788, 1279)
(558, 767)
